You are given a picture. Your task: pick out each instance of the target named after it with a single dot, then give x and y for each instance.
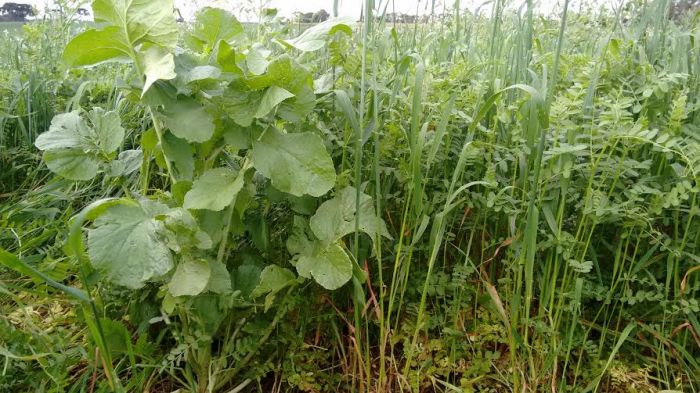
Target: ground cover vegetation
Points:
(476, 201)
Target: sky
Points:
(347, 7)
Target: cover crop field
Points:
(490, 201)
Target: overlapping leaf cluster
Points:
(228, 121)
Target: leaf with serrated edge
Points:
(109, 130)
(73, 149)
(314, 38)
(71, 164)
(129, 24)
(67, 131)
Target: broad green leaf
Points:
(286, 85)
(297, 164)
(240, 103)
(247, 278)
(315, 38)
(67, 131)
(141, 21)
(127, 162)
(193, 73)
(211, 26)
(75, 150)
(72, 164)
(235, 136)
(282, 71)
(95, 47)
(214, 190)
(256, 59)
(126, 246)
(109, 130)
(187, 119)
(220, 278)
(331, 267)
(207, 315)
(156, 63)
(183, 231)
(148, 25)
(301, 240)
(272, 279)
(226, 58)
(335, 218)
(200, 73)
(287, 74)
(272, 97)
(179, 152)
(191, 278)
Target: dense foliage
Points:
(458, 204)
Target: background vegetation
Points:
(518, 198)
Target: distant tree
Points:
(683, 7)
(321, 16)
(307, 17)
(16, 12)
(312, 17)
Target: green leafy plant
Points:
(226, 117)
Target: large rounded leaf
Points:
(191, 278)
(297, 164)
(331, 267)
(214, 190)
(335, 218)
(126, 247)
